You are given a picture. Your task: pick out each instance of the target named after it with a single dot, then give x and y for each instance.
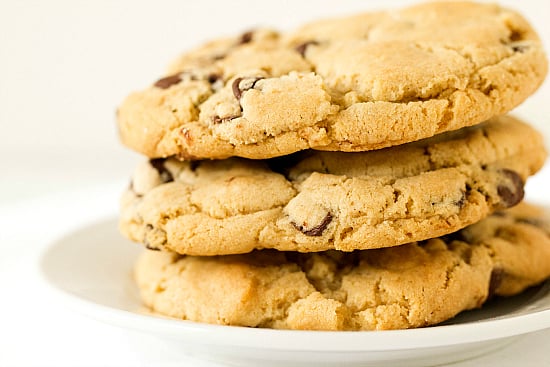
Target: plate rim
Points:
(288, 340)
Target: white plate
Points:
(90, 269)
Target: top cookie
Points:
(352, 84)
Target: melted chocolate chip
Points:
(301, 48)
(318, 229)
(158, 164)
(246, 37)
(497, 276)
(168, 81)
(238, 90)
(512, 193)
(218, 120)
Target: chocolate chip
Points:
(149, 228)
(158, 164)
(460, 203)
(218, 120)
(238, 90)
(168, 81)
(497, 276)
(517, 44)
(216, 82)
(213, 78)
(246, 37)
(301, 48)
(511, 193)
(318, 229)
(515, 35)
(519, 48)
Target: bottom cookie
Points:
(408, 286)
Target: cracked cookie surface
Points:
(351, 84)
(407, 286)
(315, 201)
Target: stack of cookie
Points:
(350, 175)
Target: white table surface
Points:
(64, 66)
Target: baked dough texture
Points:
(413, 285)
(351, 84)
(316, 201)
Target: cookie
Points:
(315, 201)
(352, 84)
(407, 286)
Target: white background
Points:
(64, 68)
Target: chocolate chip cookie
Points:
(359, 83)
(407, 286)
(316, 201)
